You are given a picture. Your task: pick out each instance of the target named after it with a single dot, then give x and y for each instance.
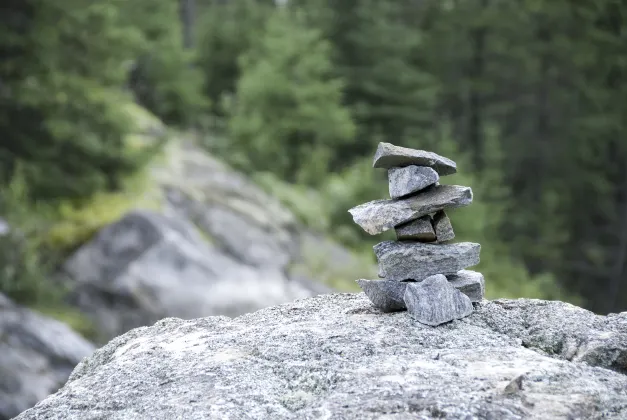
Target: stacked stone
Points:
(421, 271)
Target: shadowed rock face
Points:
(37, 355)
(337, 357)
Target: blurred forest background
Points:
(528, 96)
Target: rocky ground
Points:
(336, 357)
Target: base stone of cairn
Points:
(421, 271)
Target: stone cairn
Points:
(421, 271)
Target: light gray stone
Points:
(443, 228)
(419, 230)
(470, 283)
(390, 156)
(37, 355)
(386, 295)
(417, 261)
(337, 357)
(381, 215)
(434, 301)
(410, 179)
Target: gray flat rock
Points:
(434, 301)
(390, 156)
(410, 179)
(470, 283)
(418, 230)
(386, 295)
(336, 357)
(381, 215)
(417, 261)
(443, 227)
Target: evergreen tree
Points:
(62, 64)
(288, 115)
(164, 78)
(226, 30)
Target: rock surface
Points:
(149, 266)
(471, 283)
(442, 226)
(37, 355)
(212, 229)
(417, 261)
(337, 357)
(379, 216)
(410, 179)
(417, 230)
(386, 295)
(434, 301)
(390, 156)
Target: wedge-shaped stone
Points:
(381, 215)
(410, 179)
(417, 230)
(417, 261)
(443, 227)
(390, 156)
(434, 301)
(470, 283)
(384, 294)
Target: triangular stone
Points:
(410, 179)
(443, 227)
(434, 301)
(470, 283)
(390, 156)
(381, 215)
(409, 260)
(417, 230)
(384, 294)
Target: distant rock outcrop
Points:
(337, 357)
(37, 355)
(216, 245)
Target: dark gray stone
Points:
(335, 356)
(389, 156)
(381, 215)
(418, 230)
(443, 228)
(416, 261)
(410, 179)
(434, 301)
(37, 355)
(470, 283)
(386, 295)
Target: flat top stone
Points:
(379, 216)
(390, 156)
(337, 357)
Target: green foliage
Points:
(226, 30)
(288, 113)
(164, 78)
(62, 66)
(23, 273)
